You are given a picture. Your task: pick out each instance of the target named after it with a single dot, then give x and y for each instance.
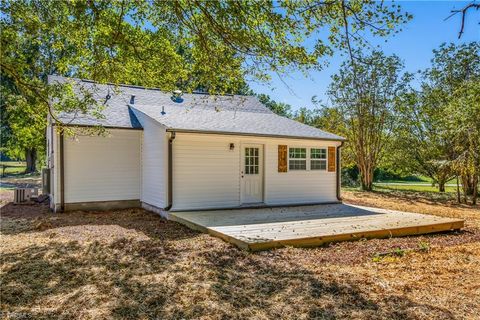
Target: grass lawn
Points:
(425, 190)
(12, 167)
(413, 179)
(412, 187)
(419, 179)
(131, 264)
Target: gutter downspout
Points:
(170, 171)
(339, 171)
(62, 173)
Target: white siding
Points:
(154, 162)
(102, 168)
(297, 186)
(131, 164)
(207, 173)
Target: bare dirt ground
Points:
(131, 264)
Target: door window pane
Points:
(251, 160)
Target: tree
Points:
(209, 45)
(439, 119)
(22, 127)
(280, 108)
(455, 70)
(87, 40)
(464, 126)
(421, 144)
(364, 95)
(454, 79)
(463, 12)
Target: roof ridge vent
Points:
(177, 96)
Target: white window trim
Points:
(307, 155)
(308, 158)
(320, 159)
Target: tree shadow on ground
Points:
(63, 274)
(126, 280)
(281, 290)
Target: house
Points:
(171, 151)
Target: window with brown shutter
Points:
(282, 158)
(331, 159)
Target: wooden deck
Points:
(308, 226)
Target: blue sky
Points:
(425, 32)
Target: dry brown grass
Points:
(417, 202)
(131, 264)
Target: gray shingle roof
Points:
(195, 113)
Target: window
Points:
(251, 160)
(297, 159)
(318, 159)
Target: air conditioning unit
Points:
(24, 194)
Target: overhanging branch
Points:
(463, 12)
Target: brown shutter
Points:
(282, 158)
(331, 159)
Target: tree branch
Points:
(463, 11)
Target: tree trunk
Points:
(31, 159)
(475, 191)
(366, 175)
(458, 191)
(441, 186)
(468, 184)
(464, 189)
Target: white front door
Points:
(251, 173)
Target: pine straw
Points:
(132, 264)
(417, 202)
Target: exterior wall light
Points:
(232, 146)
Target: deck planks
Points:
(306, 226)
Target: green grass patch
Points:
(12, 168)
(414, 179)
(409, 179)
(403, 181)
(411, 191)
(13, 163)
(412, 187)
